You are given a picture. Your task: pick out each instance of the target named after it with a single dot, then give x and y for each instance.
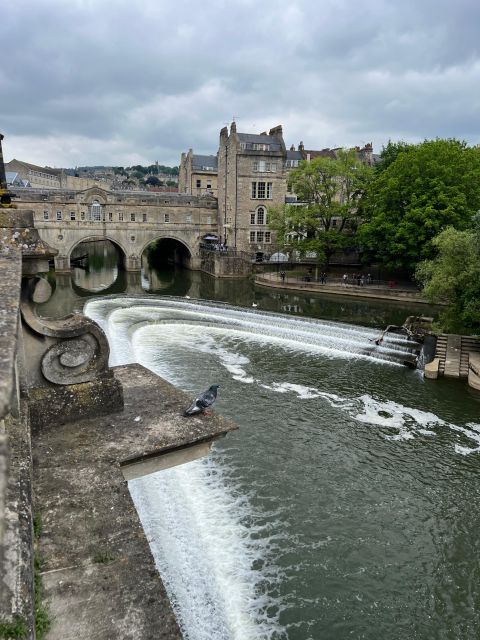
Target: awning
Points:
(210, 236)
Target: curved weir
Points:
(325, 515)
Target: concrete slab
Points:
(99, 576)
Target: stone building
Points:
(46, 177)
(251, 174)
(198, 174)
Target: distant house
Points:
(41, 177)
(15, 180)
(198, 174)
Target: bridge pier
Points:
(133, 263)
(62, 264)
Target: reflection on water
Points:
(106, 276)
(95, 265)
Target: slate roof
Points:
(294, 155)
(199, 161)
(258, 138)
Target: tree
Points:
(422, 189)
(153, 181)
(453, 278)
(328, 192)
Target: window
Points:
(144, 217)
(252, 236)
(334, 222)
(260, 147)
(110, 216)
(209, 185)
(167, 217)
(273, 167)
(261, 190)
(252, 218)
(59, 215)
(255, 166)
(96, 211)
(188, 218)
(132, 217)
(260, 236)
(199, 184)
(72, 215)
(260, 215)
(209, 219)
(82, 215)
(268, 236)
(120, 216)
(45, 215)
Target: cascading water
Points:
(324, 515)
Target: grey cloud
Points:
(102, 82)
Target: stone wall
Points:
(16, 548)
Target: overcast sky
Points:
(121, 82)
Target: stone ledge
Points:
(87, 511)
(431, 369)
(474, 370)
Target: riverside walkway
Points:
(335, 285)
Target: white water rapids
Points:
(216, 552)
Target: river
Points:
(344, 506)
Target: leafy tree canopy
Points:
(420, 191)
(328, 192)
(453, 277)
(153, 181)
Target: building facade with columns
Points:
(130, 220)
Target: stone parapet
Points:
(99, 575)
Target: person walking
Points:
(345, 278)
(282, 275)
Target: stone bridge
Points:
(131, 220)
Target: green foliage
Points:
(153, 181)
(103, 557)
(390, 153)
(453, 277)
(42, 618)
(37, 525)
(329, 191)
(15, 629)
(420, 191)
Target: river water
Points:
(345, 506)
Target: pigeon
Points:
(254, 304)
(203, 401)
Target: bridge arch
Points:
(88, 238)
(176, 248)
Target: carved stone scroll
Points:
(81, 350)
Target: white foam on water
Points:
(193, 516)
(406, 421)
(193, 521)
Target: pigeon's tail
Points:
(192, 410)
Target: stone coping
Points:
(10, 284)
(99, 575)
